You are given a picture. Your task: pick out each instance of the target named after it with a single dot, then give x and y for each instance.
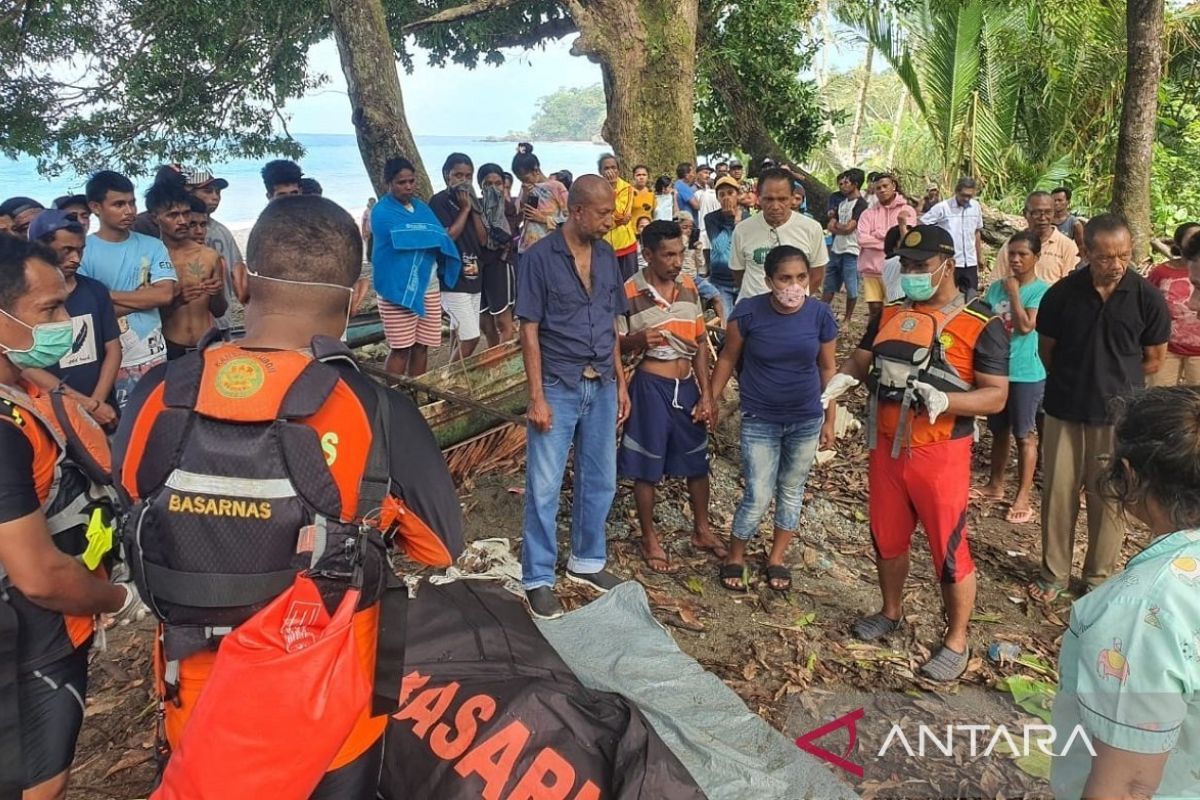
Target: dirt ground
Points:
(791, 658)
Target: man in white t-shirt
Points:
(843, 256)
(753, 238)
(962, 217)
(138, 273)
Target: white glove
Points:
(133, 609)
(935, 400)
(838, 385)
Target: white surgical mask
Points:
(348, 289)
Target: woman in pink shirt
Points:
(892, 209)
(1182, 364)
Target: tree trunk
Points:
(1139, 115)
(645, 49)
(369, 64)
(860, 108)
(897, 121)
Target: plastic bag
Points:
(285, 692)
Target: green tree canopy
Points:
(570, 114)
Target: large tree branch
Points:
(551, 29)
(458, 13)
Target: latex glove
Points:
(935, 400)
(838, 385)
(133, 609)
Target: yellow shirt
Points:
(623, 237)
(643, 203)
(1058, 259)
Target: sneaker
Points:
(601, 581)
(543, 604)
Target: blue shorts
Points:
(842, 269)
(1021, 410)
(660, 437)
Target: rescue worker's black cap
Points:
(923, 242)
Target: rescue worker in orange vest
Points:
(251, 462)
(932, 363)
(55, 533)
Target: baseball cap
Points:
(70, 200)
(684, 216)
(769, 162)
(727, 181)
(50, 221)
(703, 168)
(169, 173)
(197, 177)
(926, 241)
(735, 164)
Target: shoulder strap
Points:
(376, 482)
(82, 455)
(181, 384)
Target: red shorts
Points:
(929, 484)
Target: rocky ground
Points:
(790, 657)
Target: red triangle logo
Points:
(848, 721)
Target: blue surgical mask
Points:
(52, 341)
(921, 286)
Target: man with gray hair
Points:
(1059, 255)
(962, 217)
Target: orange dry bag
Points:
(285, 691)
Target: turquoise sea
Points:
(331, 159)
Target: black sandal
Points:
(778, 572)
(728, 572)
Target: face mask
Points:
(51, 343)
(920, 287)
(790, 296)
(348, 289)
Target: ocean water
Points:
(331, 159)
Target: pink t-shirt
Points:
(1176, 287)
(873, 226)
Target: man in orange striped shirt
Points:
(669, 397)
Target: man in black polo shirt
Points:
(1101, 331)
(569, 297)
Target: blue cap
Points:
(51, 221)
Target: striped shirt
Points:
(680, 319)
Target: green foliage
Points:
(569, 115)
(767, 45)
(136, 83)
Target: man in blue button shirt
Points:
(568, 298)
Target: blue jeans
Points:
(776, 459)
(585, 416)
(842, 270)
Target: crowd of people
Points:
(636, 306)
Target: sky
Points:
(483, 102)
(506, 95)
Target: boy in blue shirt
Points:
(1015, 300)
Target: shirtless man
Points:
(200, 269)
(198, 226)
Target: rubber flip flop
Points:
(728, 572)
(660, 565)
(1045, 593)
(1021, 517)
(778, 572)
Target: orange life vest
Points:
(933, 346)
(72, 468)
